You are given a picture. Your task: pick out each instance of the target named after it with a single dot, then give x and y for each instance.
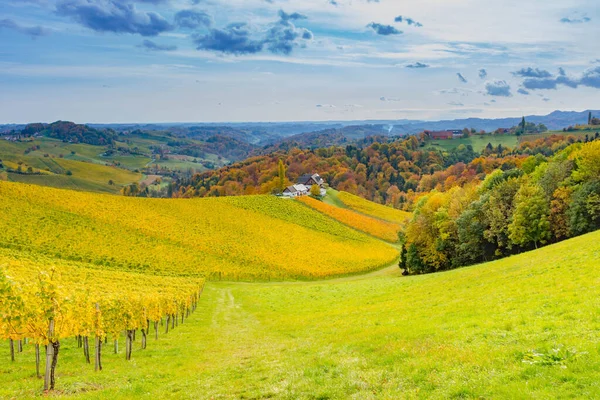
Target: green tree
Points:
(498, 211)
(590, 118)
(472, 245)
(584, 210)
(413, 260)
(530, 223)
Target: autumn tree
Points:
(281, 176)
(559, 205)
(587, 160)
(315, 190)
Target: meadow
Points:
(522, 327)
(243, 238)
(479, 142)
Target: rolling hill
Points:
(242, 238)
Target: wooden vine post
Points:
(48, 385)
(98, 344)
(37, 360)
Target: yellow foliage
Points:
(373, 209)
(81, 299)
(382, 229)
(234, 238)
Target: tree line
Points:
(543, 199)
(390, 171)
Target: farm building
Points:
(440, 135)
(303, 185)
(296, 190)
(310, 179)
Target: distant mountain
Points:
(265, 132)
(556, 120)
(262, 135)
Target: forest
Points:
(390, 171)
(543, 199)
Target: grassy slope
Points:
(85, 176)
(477, 141)
(89, 172)
(53, 152)
(458, 334)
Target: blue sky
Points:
(292, 60)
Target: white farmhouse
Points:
(296, 190)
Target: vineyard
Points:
(384, 230)
(373, 209)
(46, 300)
(245, 238)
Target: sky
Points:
(125, 61)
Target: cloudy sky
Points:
(291, 60)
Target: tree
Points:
(498, 211)
(584, 211)
(588, 162)
(521, 130)
(315, 190)
(413, 260)
(281, 175)
(558, 218)
(472, 245)
(590, 118)
(530, 222)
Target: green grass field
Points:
(85, 176)
(477, 141)
(524, 327)
(53, 153)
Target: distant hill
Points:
(556, 120)
(266, 133)
(72, 132)
(328, 137)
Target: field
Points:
(477, 141)
(245, 238)
(523, 327)
(384, 230)
(81, 175)
(373, 209)
(91, 168)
